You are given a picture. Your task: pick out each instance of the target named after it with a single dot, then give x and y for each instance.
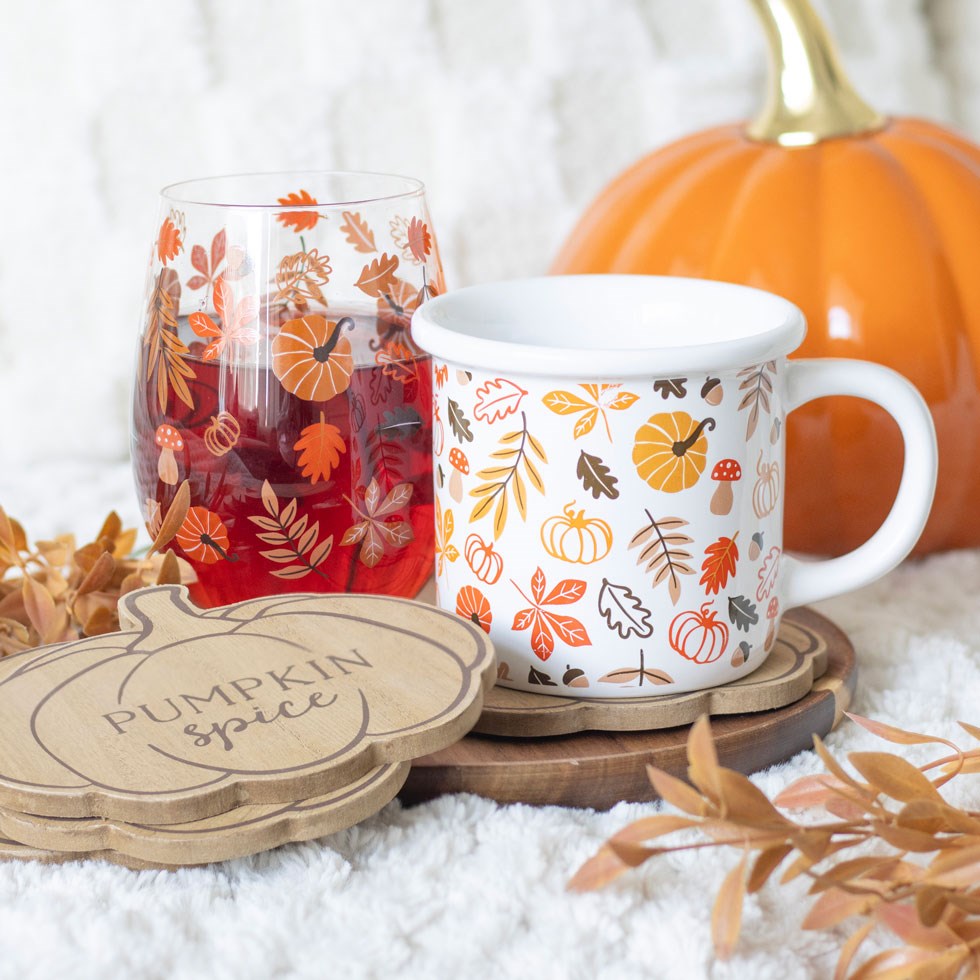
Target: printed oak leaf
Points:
(768, 574)
(296, 543)
(756, 384)
(319, 446)
(544, 623)
(168, 241)
(398, 362)
(516, 449)
(445, 525)
(378, 276)
(458, 422)
(379, 527)
(300, 277)
(663, 551)
(497, 399)
(357, 232)
(623, 611)
(719, 564)
(742, 612)
(207, 271)
(671, 386)
(299, 220)
(419, 239)
(235, 321)
(595, 476)
(601, 398)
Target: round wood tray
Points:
(599, 769)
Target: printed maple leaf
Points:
(168, 241)
(419, 239)
(319, 446)
(373, 531)
(299, 220)
(601, 399)
(545, 624)
(719, 564)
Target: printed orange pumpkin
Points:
(473, 605)
(575, 538)
(697, 635)
(203, 537)
(311, 357)
(872, 227)
(484, 562)
(670, 450)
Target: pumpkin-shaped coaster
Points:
(13, 851)
(798, 658)
(189, 713)
(238, 833)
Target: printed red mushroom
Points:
(725, 473)
(461, 468)
(168, 439)
(771, 613)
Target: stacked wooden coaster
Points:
(192, 736)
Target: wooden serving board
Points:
(797, 659)
(237, 833)
(187, 713)
(599, 769)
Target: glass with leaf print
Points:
(277, 375)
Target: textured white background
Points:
(515, 112)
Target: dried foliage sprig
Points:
(53, 590)
(891, 808)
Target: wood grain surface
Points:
(797, 659)
(599, 769)
(189, 713)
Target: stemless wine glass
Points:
(276, 373)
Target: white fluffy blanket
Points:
(462, 887)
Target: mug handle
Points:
(808, 581)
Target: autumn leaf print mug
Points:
(609, 469)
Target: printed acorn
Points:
(461, 467)
(725, 473)
(774, 432)
(574, 677)
(168, 439)
(712, 391)
(741, 654)
(503, 671)
(756, 545)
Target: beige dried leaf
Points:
(172, 520)
(726, 915)
(98, 576)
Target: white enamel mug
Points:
(609, 467)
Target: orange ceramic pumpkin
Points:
(872, 227)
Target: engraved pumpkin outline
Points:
(473, 674)
(311, 357)
(670, 450)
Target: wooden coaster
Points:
(599, 769)
(798, 658)
(189, 713)
(237, 833)
(12, 851)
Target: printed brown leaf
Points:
(378, 276)
(357, 232)
(300, 549)
(379, 525)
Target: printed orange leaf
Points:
(497, 399)
(300, 277)
(719, 564)
(419, 239)
(236, 321)
(168, 241)
(545, 624)
(319, 446)
(473, 605)
(378, 276)
(398, 362)
(299, 220)
(357, 232)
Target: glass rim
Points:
(179, 192)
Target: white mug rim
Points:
(449, 326)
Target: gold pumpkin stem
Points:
(809, 97)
